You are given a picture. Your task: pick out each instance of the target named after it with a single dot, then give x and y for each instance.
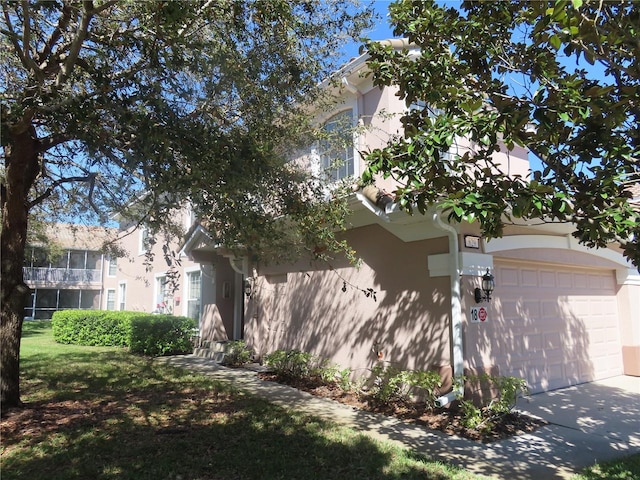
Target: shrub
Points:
(391, 384)
(91, 327)
(482, 417)
(294, 364)
(237, 354)
(158, 335)
(290, 363)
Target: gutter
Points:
(455, 326)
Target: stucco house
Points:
(559, 314)
(136, 281)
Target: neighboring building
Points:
(67, 273)
(72, 272)
(560, 314)
(134, 282)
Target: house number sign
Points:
(478, 315)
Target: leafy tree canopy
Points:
(162, 101)
(561, 78)
(109, 105)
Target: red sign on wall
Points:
(478, 315)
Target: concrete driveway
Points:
(589, 423)
(607, 408)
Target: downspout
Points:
(455, 326)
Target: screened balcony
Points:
(71, 267)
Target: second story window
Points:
(113, 266)
(336, 148)
(143, 243)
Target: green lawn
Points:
(624, 469)
(100, 413)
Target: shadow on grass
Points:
(104, 414)
(200, 433)
(35, 327)
(88, 372)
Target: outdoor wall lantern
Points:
(487, 288)
(248, 288)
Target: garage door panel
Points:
(565, 280)
(548, 279)
(509, 277)
(529, 278)
(553, 341)
(555, 325)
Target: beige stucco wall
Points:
(304, 307)
(140, 278)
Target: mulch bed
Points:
(447, 420)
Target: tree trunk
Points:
(22, 161)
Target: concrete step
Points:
(215, 351)
(217, 357)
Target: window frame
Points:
(188, 273)
(112, 262)
(122, 296)
(166, 304)
(325, 154)
(143, 234)
(106, 298)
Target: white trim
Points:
(549, 241)
(369, 205)
(630, 276)
(156, 292)
(242, 268)
(455, 323)
(186, 291)
(109, 259)
(200, 234)
(475, 264)
(469, 263)
(349, 105)
(626, 274)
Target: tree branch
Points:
(49, 191)
(76, 44)
(51, 141)
(11, 33)
(63, 23)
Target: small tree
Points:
(561, 78)
(108, 104)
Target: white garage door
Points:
(563, 323)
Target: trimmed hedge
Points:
(143, 333)
(92, 327)
(158, 335)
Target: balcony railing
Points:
(61, 275)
